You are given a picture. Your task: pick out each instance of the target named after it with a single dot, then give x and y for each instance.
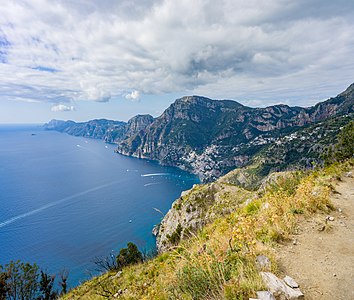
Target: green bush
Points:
(175, 237)
(202, 280)
(129, 256)
(207, 276)
(22, 281)
(252, 207)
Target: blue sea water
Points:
(65, 200)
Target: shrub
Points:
(210, 276)
(252, 207)
(46, 287)
(3, 285)
(129, 256)
(21, 280)
(175, 237)
(177, 206)
(104, 264)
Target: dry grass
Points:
(219, 261)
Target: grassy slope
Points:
(219, 261)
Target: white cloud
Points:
(62, 107)
(134, 95)
(57, 51)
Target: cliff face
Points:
(137, 124)
(195, 208)
(108, 130)
(186, 123)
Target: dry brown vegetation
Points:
(219, 261)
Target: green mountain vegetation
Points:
(305, 148)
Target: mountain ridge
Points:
(208, 137)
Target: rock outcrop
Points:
(279, 288)
(195, 208)
(108, 130)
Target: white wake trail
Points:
(49, 205)
(155, 174)
(152, 183)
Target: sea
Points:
(65, 200)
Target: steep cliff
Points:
(108, 130)
(197, 207)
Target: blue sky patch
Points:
(4, 45)
(45, 69)
(3, 58)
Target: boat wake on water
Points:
(49, 205)
(152, 183)
(155, 174)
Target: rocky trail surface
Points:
(321, 255)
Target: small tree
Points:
(46, 287)
(104, 264)
(21, 280)
(128, 256)
(64, 274)
(3, 284)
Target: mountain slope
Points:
(212, 137)
(303, 148)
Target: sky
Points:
(86, 59)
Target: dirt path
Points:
(322, 262)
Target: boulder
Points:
(119, 273)
(155, 230)
(263, 263)
(279, 288)
(349, 174)
(291, 282)
(116, 295)
(265, 295)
